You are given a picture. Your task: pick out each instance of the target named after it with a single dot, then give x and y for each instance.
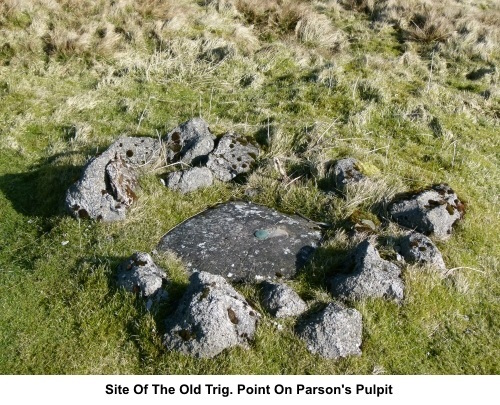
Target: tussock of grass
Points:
(408, 89)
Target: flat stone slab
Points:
(243, 241)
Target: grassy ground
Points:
(410, 89)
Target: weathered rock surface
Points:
(243, 241)
(432, 211)
(281, 300)
(372, 277)
(122, 181)
(190, 142)
(190, 180)
(234, 155)
(332, 333)
(140, 274)
(108, 183)
(418, 248)
(345, 172)
(211, 317)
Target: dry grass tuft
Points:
(317, 30)
(428, 25)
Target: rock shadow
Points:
(40, 191)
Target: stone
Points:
(332, 333)
(432, 212)
(218, 54)
(108, 183)
(243, 241)
(211, 317)
(281, 300)
(139, 274)
(190, 142)
(190, 180)
(345, 172)
(418, 248)
(234, 155)
(122, 181)
(372, 276)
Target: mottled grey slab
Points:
(243, 241)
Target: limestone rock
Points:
(417, 248)
(108, 183)
(190, 142)
(345, 172)
(433, 211)
(140, 274)
(332, 333)
(234, 155)
(190, 180)
(372, 276)
(211, 317)
(243, 241)
(281, 301)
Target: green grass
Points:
(375, 99)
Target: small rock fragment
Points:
(233, 156)
(345, 172)
(140, 274)
(433, 211)
(211, 317)
(190, 142)
(281, 301)
(417, 248)
(332, 333)
(372, 277)
(190, 180)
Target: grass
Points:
(319, 82)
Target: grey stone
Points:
(332, 333)
(190, 142)
(210, 318)
(345, 172)
(218, 54)
(108, 183)
(281, 300)
(372, 276)
(417, 248)
(140, 274)
(234, 155)
(433, 211)
(243, 241)
(190, 180)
